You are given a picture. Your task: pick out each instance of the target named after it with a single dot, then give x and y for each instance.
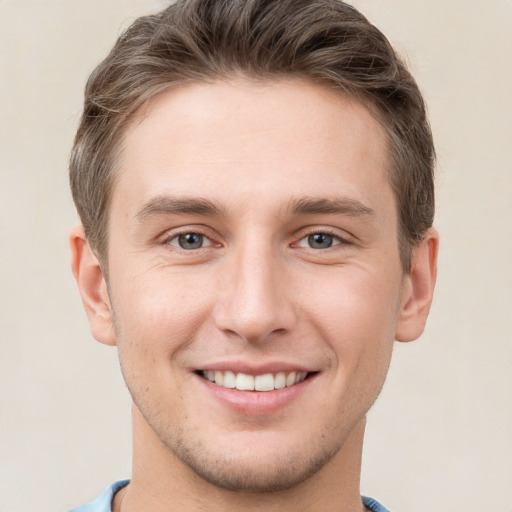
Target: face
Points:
(254, 276)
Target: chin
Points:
(248, 474)
(262, 465)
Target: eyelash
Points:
(337, 239)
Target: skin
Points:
(256, 170)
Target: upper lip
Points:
(255, 369)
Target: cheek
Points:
(358, 318)
(157, 317)
(156, 323)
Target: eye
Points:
(320, 240)
(190, 241)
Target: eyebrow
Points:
(168, 205)
(315, 206)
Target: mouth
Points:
(246, 382)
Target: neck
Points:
(163, 483)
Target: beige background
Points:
(439, 436)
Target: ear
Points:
(92, 287)
(418, 288)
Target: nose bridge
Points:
(255, 303)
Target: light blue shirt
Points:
(103, 503)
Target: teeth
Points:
(219, 378)
(280, 380)
(264, 382)
(245, 382)
(290, 379)
(229, 380)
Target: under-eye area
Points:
(246, 382)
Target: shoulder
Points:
(373, 505)
(103, 502)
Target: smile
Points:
(246, 382)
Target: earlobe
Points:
(418, 288)
(92, 286)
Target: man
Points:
(255, 184)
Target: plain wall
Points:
(439, 436)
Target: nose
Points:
(255, 301)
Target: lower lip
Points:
(255, 403)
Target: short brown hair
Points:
(325, 41)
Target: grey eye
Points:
(189, 241)
(320, 241)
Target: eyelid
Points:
(340, 239)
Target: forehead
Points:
(290, 137)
